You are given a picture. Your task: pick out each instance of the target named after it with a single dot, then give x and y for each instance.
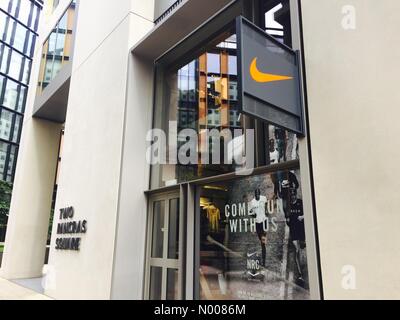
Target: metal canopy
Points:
(188, 16)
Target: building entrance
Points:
(163, 270)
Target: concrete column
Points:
(25, 245)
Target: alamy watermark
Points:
(349, 277)
(349, 20)
(205, 147)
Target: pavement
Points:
(12, 291)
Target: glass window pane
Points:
(4, 62)
(57, 65)
(26, 72)
(16, 128)
(56, 49)
(252, 239)
(3, 23)
(283, 145)
(14, 6)
(8, 35)
(173, 229)
(20, 37)
(35, 18)
(15, 65)
(11, 94)
(31, 44)
(2, 81)
(4, 4)
(213, 63)
(11, 163)
(21, 99)
(6, 121)
(52, 42)
(3, 156)
(155, 283)
(172, 284)
(24, 11)
(158, 229)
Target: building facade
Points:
(295, 224)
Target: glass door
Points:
(163, 268)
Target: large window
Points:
(26, 12)
(198, 92)
(57, 49)
(252, 239)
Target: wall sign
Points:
(70, 230)
(269, 78)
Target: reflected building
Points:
(58, 48)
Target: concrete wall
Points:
(353, 100)
(93, 145)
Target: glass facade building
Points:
(19, 21)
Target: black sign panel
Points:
(269, 78)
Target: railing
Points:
(168, 11)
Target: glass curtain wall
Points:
(19, 21)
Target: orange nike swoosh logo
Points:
(259, 76)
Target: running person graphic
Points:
(257, 208)
(295, 222)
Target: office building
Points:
(304, 91)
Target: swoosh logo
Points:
(262, 77)
(249, 255)
(253, 274)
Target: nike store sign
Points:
(269, 78)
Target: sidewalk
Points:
(12, 291)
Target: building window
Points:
(57, 49)
(7, 161)
(199, 85)
(252, 239)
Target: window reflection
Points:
(200, 95)
(7, 160)
(199, 91)
(57, 49)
